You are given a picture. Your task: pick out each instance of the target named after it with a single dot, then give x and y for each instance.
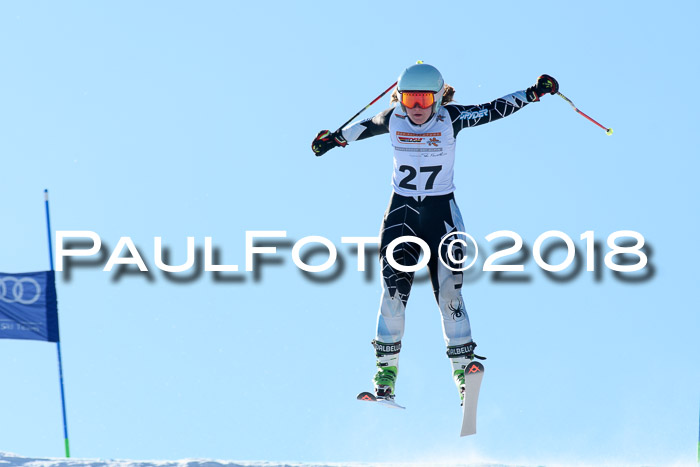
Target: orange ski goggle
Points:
(422, 99)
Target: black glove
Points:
(325, 141)
(545, 85)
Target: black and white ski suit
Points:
(423, 205)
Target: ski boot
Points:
(460, 357)
(387, 369)
(384, 381)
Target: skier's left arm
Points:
(467, 116)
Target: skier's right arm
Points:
(377, 125)
(325, 141)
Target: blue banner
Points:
(28, 306)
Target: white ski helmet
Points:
(422, 77)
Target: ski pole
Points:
(608, 131)
(367, 106)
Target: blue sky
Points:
(173, 119)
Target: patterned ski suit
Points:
(423, 205)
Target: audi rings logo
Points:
(24, 290)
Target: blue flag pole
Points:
(58, 341)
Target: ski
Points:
(369, 397)
(473, 375)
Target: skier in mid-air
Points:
(423, 128)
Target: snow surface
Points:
(12, 460)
